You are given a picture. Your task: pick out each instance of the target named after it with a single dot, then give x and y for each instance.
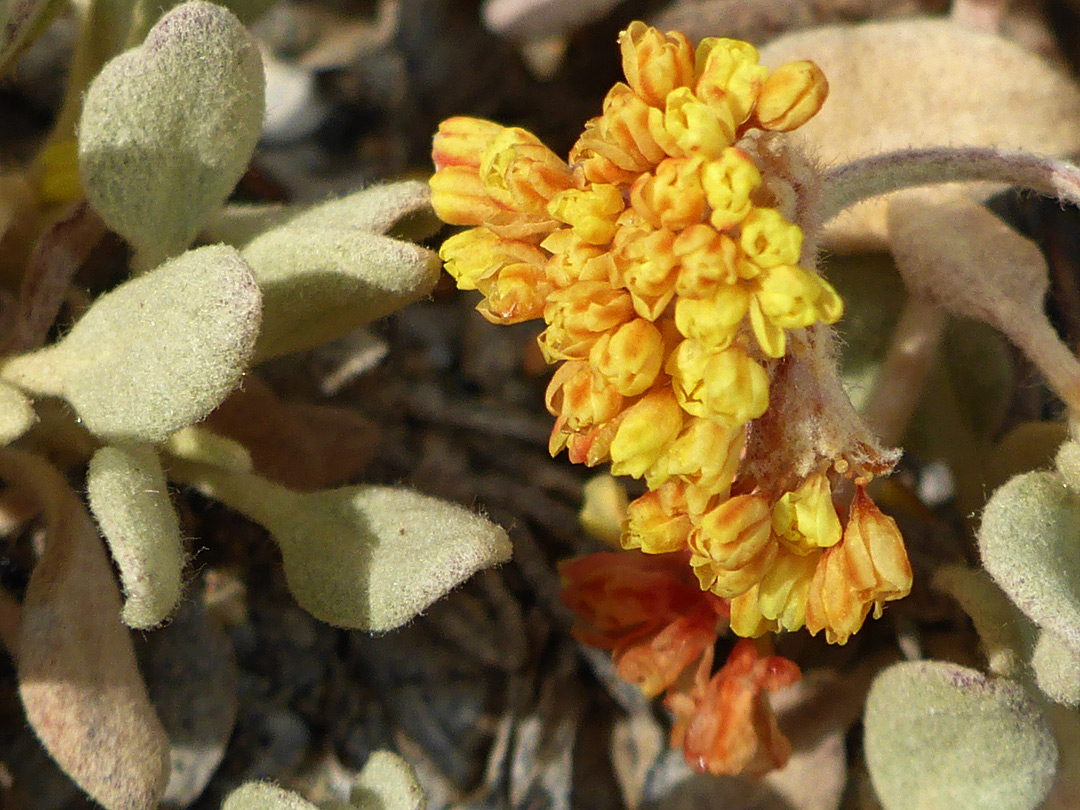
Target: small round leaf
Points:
(1057, 669)
(1030, 544)
(939, 735)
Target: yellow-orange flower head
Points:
(665, 261)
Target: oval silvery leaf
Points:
(168, 128)
(157, 353)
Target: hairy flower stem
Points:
(900, 383)
(850, 183)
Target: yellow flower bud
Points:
(655, 64)
(645, 431)
(729, 77)
(672, 197)
(805, 518)
(591, 213)
(733, 546)
(728, 182)
(727, 385)
(770, 240)
(705, 454)
(645, 264)
(515, 293)
(785, 587)
(746, 619)
(708, 260)
(629, 357)
(714, 321)
(696, 127)
(578, 315)
(573, 259)
(473, 256)
(787, 295)
(581, 396)
(519, 172)
(791, 96)
(657, 522)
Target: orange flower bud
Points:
(673, 197)
(515, 293)
(805, 518)
(458, 197)
(868, 567)
(460, 141)
(645, 264)
(573, 259)
(725, 385)
(733, 546)
(629, 357)
(791, 96)
(655, 662)
(655, 64)
(591, 213)
(578, 315)
(708, 259)
(724, 724)
(522, 174)
(658, 522)
(729, 77)
(581, 397)
(622, 134)
(646, 429)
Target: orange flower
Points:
(867, 568)
(645, 610)
(724, 724)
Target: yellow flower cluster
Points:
(668, 274)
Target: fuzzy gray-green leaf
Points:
(321, 283)
(129, 497)
(1030, 544)
(387, 782)
(16, 414)
(156, 354)
(938, 735)
(168, 128)
(265, 796)
(1057, 669)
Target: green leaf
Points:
(156, 354)
(168, 128)
(130, 499)
(938, 735)
(387, 782)
(16, 414)
(320, 283)
(265, 796)
(1057, 669)
(369, 557)
(1029, 544)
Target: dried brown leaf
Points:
(78, 678)
(304, 446)
(922, 83)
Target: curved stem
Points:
(845, 185)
